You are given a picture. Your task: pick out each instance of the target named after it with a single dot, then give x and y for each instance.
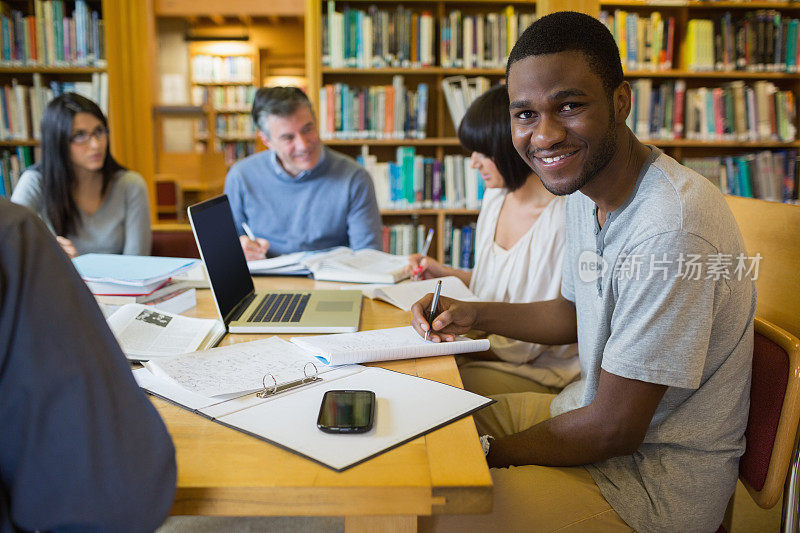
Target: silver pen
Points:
(434, 303)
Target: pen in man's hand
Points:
(434, 303)
(248, 231)
(423, 252)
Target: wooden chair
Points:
(772, 448)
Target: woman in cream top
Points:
(519, 251)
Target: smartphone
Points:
(347, 411)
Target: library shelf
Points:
(19, 142)
(9, 69)
(713, 74)
(432, 141)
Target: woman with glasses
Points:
(88, 200)
(519, 251)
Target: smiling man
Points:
(650, 437)
(298, 195)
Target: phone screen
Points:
(347, 411)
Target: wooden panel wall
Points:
(130, 47)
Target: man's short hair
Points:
(568, 31)
(279, 102)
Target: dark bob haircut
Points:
(58, 177)
(279, 102)
(568, 31)
(486, 128)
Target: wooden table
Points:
(226, 473)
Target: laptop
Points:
(245, 310)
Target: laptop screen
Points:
(218, 242)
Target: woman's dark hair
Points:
(486, 128)
(58, 177)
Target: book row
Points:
(236, 150)
(460, 92)
(222, 69)
(13, 163)
(760, 41)
(480, 40)
(459, 244)
(234, 125)
(375, 112)
(403, 239)
(50, 37)
(645, 42)
(21, 106)
(230, 98)
(402, 37)
(768, 175)
(415, 181)
(733, 111)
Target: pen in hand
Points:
(248, 231)
(434, 304)
(423, 253)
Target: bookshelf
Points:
(47, 48)
(715, 67)
(427, 63)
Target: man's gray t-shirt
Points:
(647, 318)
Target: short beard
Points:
(606, 150)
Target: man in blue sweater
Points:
(299, 195)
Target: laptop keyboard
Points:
(280, 307)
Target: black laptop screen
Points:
(218, 241)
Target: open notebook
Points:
(272, 390)
(382, 345)
(405, 294)
(338, 264)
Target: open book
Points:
(404, 295)
(271, 390)
(382, 345)
(339, 264)
(144, 332)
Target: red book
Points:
(719, 121)
(670, 42)
(33, 49)
(678, 109)
(386, 235)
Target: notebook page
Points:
(237, 368)
(404, 295)
(382, 345)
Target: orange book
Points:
(32, 41)
(414, 40)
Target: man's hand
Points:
(453, 318)
(254, 249)
(67, 246)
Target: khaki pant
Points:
(532, 498)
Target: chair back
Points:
(774, 413)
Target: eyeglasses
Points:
(83, 137)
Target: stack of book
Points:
(768, 175)
(376, 112)
(460, 92)
(117, 280)
(645, 42)
(414, 181)
(21, 107)
(375, 38)
(480, 40)
(459, 245)
(734, 111)
(13, 163)
(219, 69)
(50, 37)
(759, 41)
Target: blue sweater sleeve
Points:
(81, 448)
(235, 191)
(363, 216)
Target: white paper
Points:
(404, 295)
(143, 331)
(400, 415)
(237, 368)
(382, 345)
